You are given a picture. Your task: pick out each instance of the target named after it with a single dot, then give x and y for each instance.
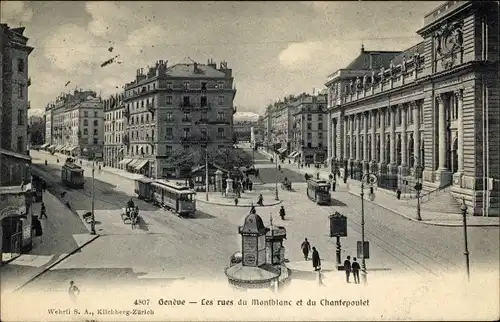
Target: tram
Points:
(143, 188)
(72, 174)
(178, 198)
(318, 190)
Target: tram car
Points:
(175, 197)
(318, 190)
(72, 174)
(143, 188)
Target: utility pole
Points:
(206, 173)
(276, 197)
(463, 208)
(92, 223)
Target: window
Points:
(221, 116)
(95, 141)
(309, 126)
(168, 148)
(185, 147)
(95, 132)
(86, 114)
(320, 117)
(20, 65)
(203, 85)
(421, 113)
(309, 117)
(409, 115)
(169, 116)
(20, 93)
(186, 85)
(204, 116)
(309, 107)
(85, 131)
(185, 99)
(221, 100)
(186, 132)
(187, 116)
(169, 86)
(20, 144)
(399, 112)
(20, 117)
(309, 144)
(85, 122)
(203, 133)
(220, 85)
(309, 135)
(169, 100)
(203, 101)
(220, 133)
(96, 122)
(320, 126)
(96, 114)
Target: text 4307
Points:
(141, 302)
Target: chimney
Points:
(362, 48)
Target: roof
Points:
(188, 70)
(408, 53)
(253, 225)
(372, 59)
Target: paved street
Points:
(169, 248)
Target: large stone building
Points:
(433, 106)
(15, 162)
(76, 124)
(309, 129)
(242, 129)
(179, 107)
(114, 126)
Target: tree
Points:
(181, 158)
(229, 158)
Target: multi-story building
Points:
(114, 125)
(15, 162)
(36, 131)
(49, 140)
(77, 122)
(242, 129)
(310, 130)
(281, 125)
(433, 107)
(258, 131)
(181, 107)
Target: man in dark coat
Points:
(316, 260)
(347, 268)
(355, 270)
(306, 247)
(43, 212)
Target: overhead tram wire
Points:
(237, 43)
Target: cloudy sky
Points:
(274, 48)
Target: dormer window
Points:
(169, 85)
(220, 85)
(203, 85)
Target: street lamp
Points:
(276, 187)
(463, 208)
(206, 173)
(370, 179)
(92, 222)
(418, 185)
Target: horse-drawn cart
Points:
(286, 185)
(130, 216)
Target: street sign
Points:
(338, 225)
(366, 252)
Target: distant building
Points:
(310, 130)
(36, 130)
(15, 162)
(183, 107)
(429, 113)
(242, 130)
(114, 127)
(77, 124)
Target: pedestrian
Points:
(316, 261)
(347, 268)
(306, 247)
(334, 183)
(73, 291)
(43, 212)
(236, 201)
(355, 270)
(260, 201)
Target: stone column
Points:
(392, 141)
(373, 147)
(345, 121)
(403, 169)
(442, 173)
(365, 140)
(358, 137)
(334, 139)
(351, 135)
(416, 136)
(382, 160)
(341, 137)
(457, 177)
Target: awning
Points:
(141, 164)
(58, 147)
(51, 147)
(44, 145)
(293, 154)
(72, 148)
(282, 150)
(124, 161)
(121, 150)
(133, 163)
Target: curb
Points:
(426, 221)
(46, 269)
(276, 202)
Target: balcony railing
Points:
(186, 104)
(186, 120)
(220, 121)
(202, 121)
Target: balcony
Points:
(220, 121)
(186, 120)
(186, 139)
(169, 120)
(202, 121)
(186, 105)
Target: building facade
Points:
(15, 162)
(77, 124)
(310, 130)
(181, 107)
(114, 126)
(242, 130)
(428, 113)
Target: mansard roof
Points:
(372, 59)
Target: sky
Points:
(274, 48)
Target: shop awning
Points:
(51, 147)
(72, 148)
(133, 163)
(282, 150)
(58, 147)
(141, 164)
(44, 145)
(293, 154)
(124, 161)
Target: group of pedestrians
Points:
(351, 268)
(316, 260)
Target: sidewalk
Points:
(248, 199)
(388, 200)
(63, 235)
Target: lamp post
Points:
(276, 183)
(206, 173)
(418, 185)
(371, 179)
(92, 222)
(463, 208)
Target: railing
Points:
(186, 120)
(185, 104)
(434, 193)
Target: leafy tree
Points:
(229, 158)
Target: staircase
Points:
(438, 200)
